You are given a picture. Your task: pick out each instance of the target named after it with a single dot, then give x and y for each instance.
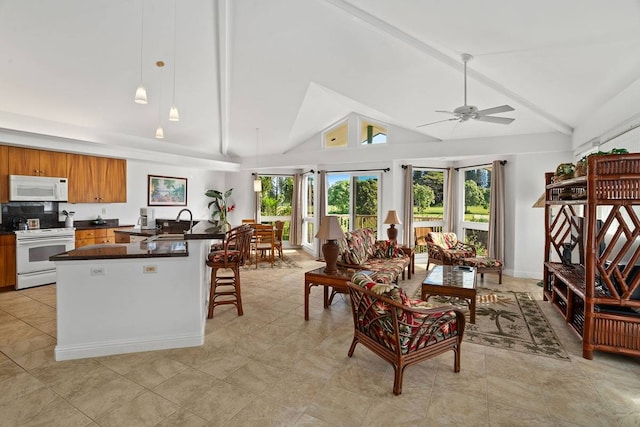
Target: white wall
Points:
(198, 181)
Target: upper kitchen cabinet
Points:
(27, 161)
(4, 174)
(96, 179)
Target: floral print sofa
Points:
(360, 250)
(401, 330)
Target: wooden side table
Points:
(317, 277)
(411, 252)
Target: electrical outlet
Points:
(146, 269)
(104, 211)
(97, 271)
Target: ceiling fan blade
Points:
(439, 121)
(495, 110)
(499, 120)
(443, 111)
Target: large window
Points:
(308, 210)
(477, 196)
(428, 204)
(275, 201)
(355, 199)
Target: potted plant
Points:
(220, 206)
(581, 165)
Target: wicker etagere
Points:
(599, 299)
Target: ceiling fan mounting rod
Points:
(466, 58)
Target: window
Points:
(477, 196)
(338, 136)
(308, 210)
(372, 133)
(355, 199)
(428, 204)
(275, 201)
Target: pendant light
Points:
(141, 92)
(173, 112)
(159, 130)
(257, 183)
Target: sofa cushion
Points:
(352, 249)
(386, 249)
(444, 240)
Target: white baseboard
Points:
(70, 352)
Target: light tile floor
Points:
(270, 367)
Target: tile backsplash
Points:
(45, 212)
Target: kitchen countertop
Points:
(201, 230)
(163, 248)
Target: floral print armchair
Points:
(446, 249)
(399, 329)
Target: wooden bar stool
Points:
(225, 289)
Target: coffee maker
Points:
(147, 219)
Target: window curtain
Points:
(450, 215)
(295, 226)
(407, 218)
(496, 212)
(322, 206)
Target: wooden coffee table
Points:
(317, 277)
(452, 281)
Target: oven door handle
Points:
(43, 240)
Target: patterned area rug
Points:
(279, 263)
(510, 320)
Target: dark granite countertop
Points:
(201, 230)
(158, 249)
(6, 232)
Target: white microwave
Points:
(23, 188)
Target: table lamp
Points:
(330, 231)
(392, 218)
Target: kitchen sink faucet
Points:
(190, 218)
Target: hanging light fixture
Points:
(159, 130)
(141, 92)
(173, 112)
(257, 183)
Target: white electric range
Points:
(33, 249)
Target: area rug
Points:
(279, 263)
(509, 320)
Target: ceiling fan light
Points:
(141, 95)
(159, 133)
(173, 114)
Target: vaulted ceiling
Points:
(291, 68)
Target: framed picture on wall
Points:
(166, 191)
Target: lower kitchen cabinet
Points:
(95, 236)
(7, 260)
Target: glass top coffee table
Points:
(452, 281)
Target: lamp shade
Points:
(392, 218)
(330, 229)
(174, 116)
(159, 133)
(141, 95)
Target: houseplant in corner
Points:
(220, 206)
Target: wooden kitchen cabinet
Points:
(4, 174)
(96, 179)
(7, 260)
(95, 236)
(28, 161)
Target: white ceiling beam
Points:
(224, 64)
(386, 28)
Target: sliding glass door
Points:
(355, 199)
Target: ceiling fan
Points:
(466, 112)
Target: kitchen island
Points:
(124, 298)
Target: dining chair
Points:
(278, 240)
(264, 242)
